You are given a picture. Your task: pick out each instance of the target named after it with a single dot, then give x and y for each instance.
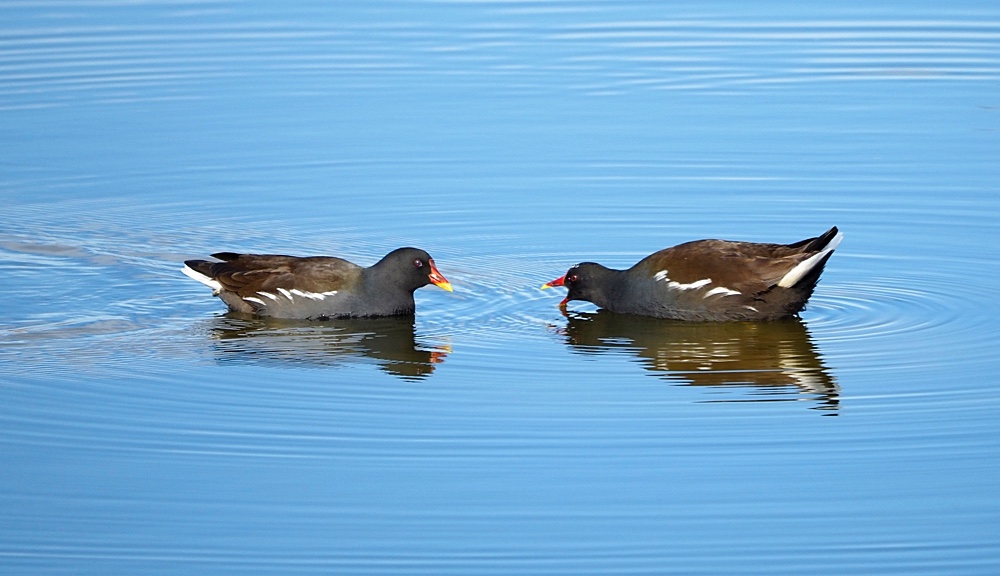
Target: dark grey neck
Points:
(385, 291)
(608, 287)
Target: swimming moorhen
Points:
(317, 287)
(708, 280)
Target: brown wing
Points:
(744, 266)
(248, 274)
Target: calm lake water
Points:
(142, 431)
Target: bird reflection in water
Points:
(388, 342)
(772, 358)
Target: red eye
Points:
(418, 264)
(572, 278)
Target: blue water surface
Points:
(144, 431)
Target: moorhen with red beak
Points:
(317, 287)
(708, 280)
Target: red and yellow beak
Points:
(560, 281)
(438, 279)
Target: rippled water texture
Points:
(145, 431)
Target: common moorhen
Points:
(317, 287)
(708, 280)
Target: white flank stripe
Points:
(195, 275)
(313, 295)
(661, 275)
(298, 292)
(286, 293)
(691, 286)
(268, 295)
(751, 308)
(720, 291)
(255, 300)
(795, 274)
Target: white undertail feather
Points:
(795, 274)
(195, 275)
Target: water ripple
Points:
(144, 430)
(42, 65)
(874, 326)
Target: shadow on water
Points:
(772, 358)
(390, 343)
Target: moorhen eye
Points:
(572, 278)
(417, 263)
